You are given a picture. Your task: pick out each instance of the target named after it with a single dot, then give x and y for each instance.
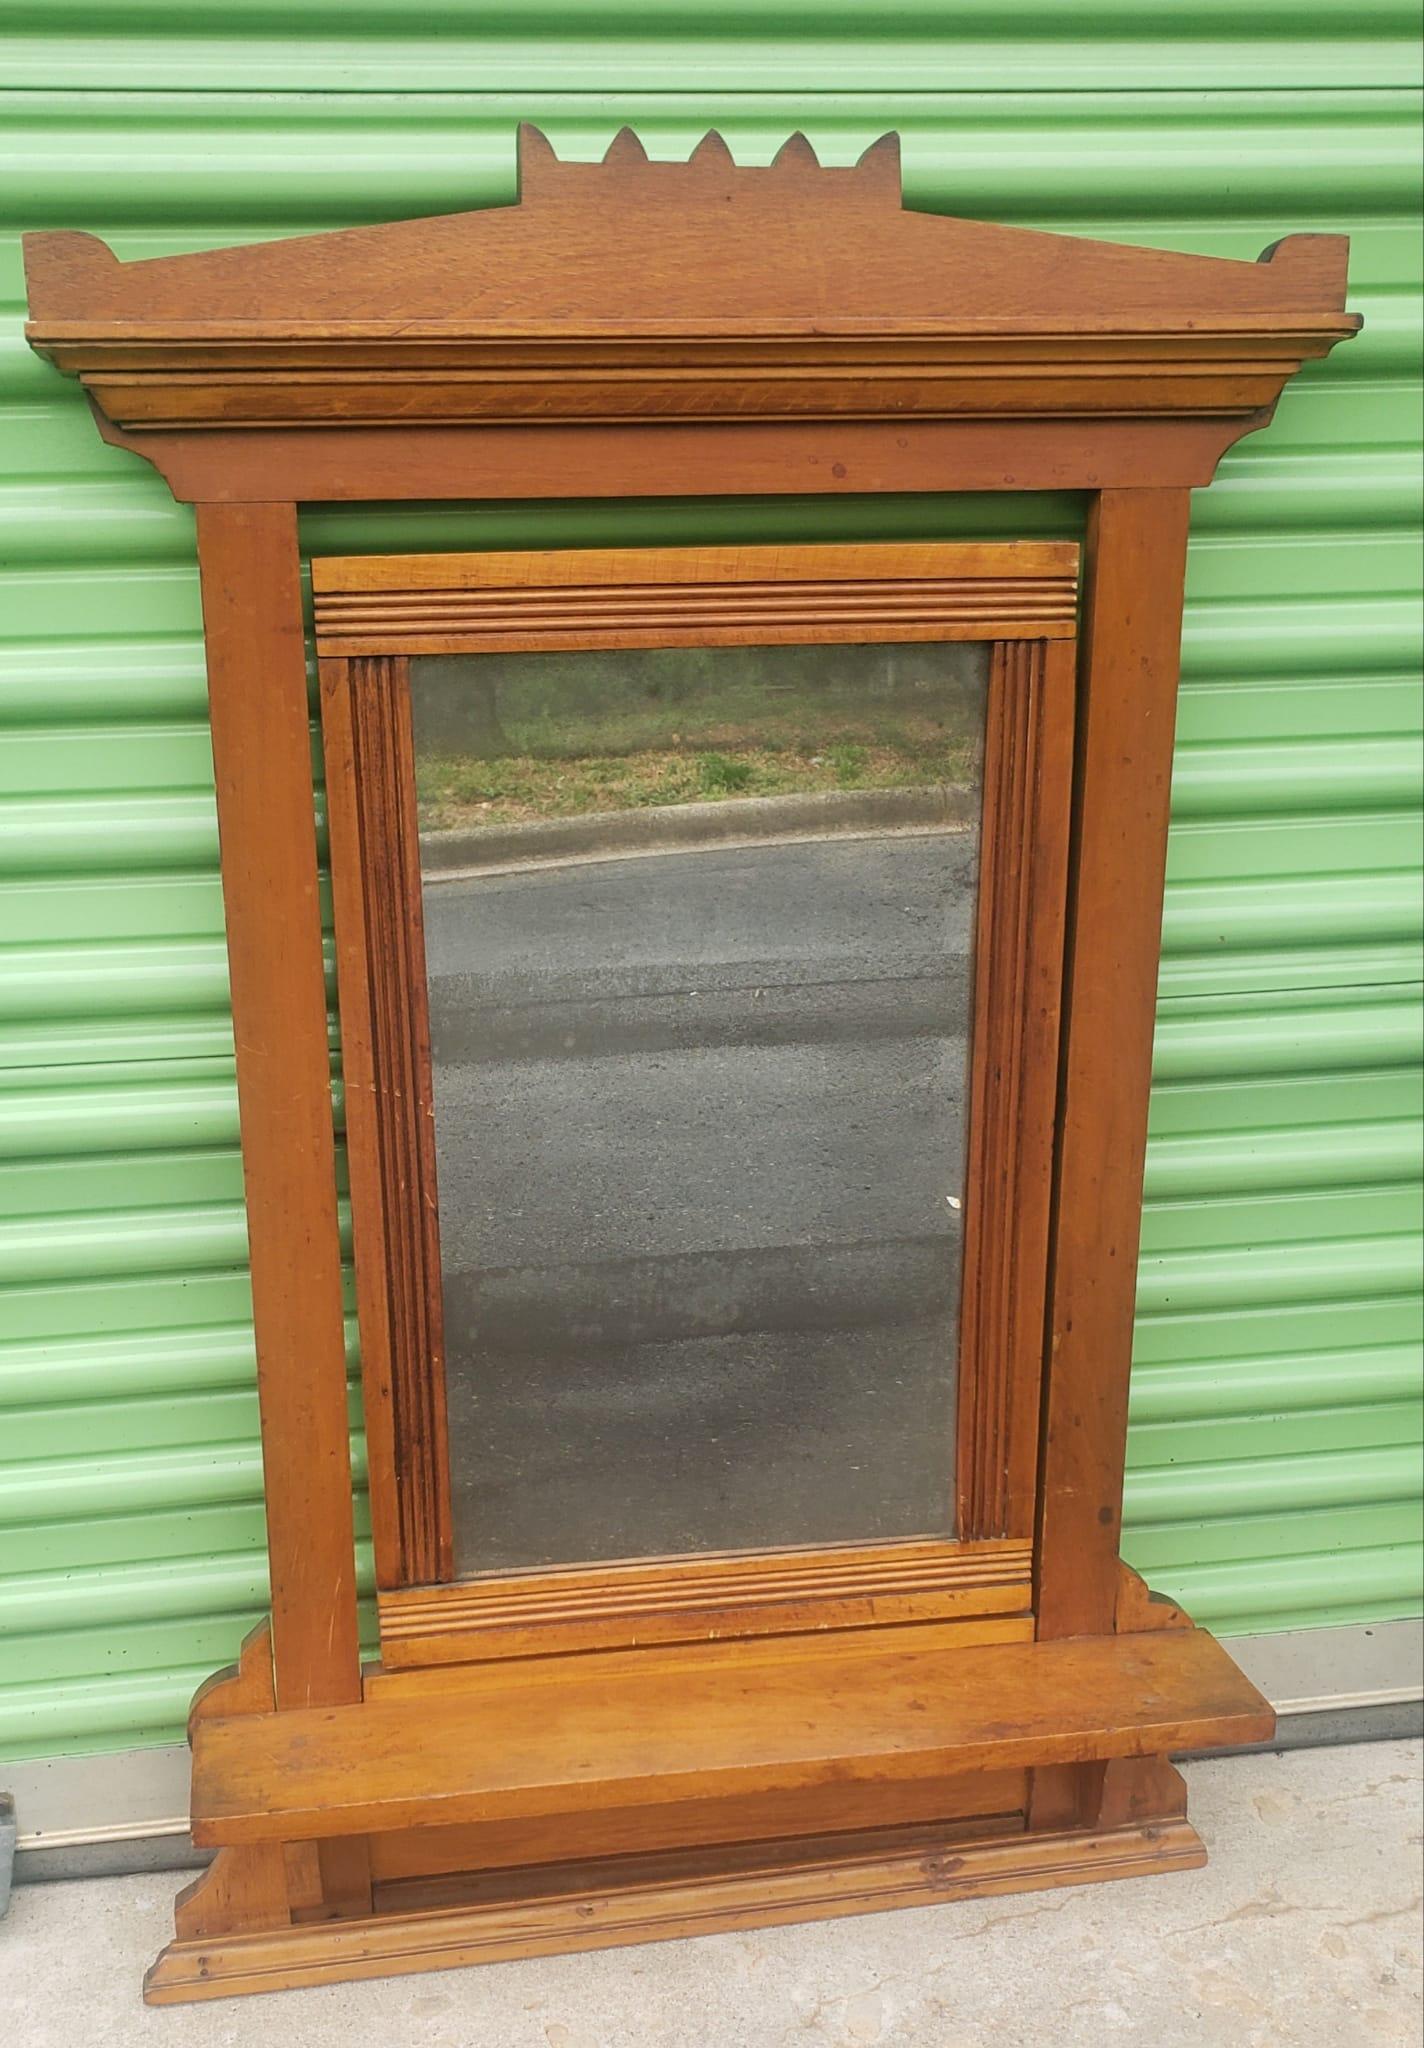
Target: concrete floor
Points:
(1303, 1932)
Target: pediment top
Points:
(635, 247)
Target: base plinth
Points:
(642, 1905)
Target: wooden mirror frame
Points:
(371, 614)
(682, 330)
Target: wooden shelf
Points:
(594, 1732)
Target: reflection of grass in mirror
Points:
(553, 735)
(453, 791)
(722, 775)
(725, 720)
(848, 761)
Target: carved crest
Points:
(632, 289)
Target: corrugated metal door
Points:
(1275, 1450)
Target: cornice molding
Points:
(629, 291)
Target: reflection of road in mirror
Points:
(699, 1116)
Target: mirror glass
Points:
(699, 929)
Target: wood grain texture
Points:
(344, 1877)
(352, 913)
(245, 1687)
(761, 458)
(656, 597)
(681, 330)
(390, 1110)
(616, 1906)
(748, 1654)
(671, 1600)
(1131, 642)
(1064, 1796)
(241, 1890)
(1119, 1792)
(379, 913)
(257, 693)
(1143, 1788)
(440, 1856)
(855, 1714)
(630, 246)
(709, 1861)
(1013, 1084)
(624, 381)
(247, 1888)
(764, 330)
(1046, 569)
(701, 290)
(1138, 1607)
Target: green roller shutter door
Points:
(1275, 1450)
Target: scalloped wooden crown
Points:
(632, 290)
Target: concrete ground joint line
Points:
(692, 828)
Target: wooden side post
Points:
(1135, 571)
(252, 616)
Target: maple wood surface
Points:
(379, 913)
(1046, 567)
(655, 1899)
(390, 1119)
(807, 244)
(1132, 610)
(442, 1857)
(854, 1713)
(1013, 1083)
(747, 1653)
(245, 1887)
(760, 458)
(257, 693)
(684, 1599)
(665, 597)
(683, 330)
(350, 893)
(786, 290)
(380, 362)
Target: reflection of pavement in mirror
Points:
(697, 1120)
